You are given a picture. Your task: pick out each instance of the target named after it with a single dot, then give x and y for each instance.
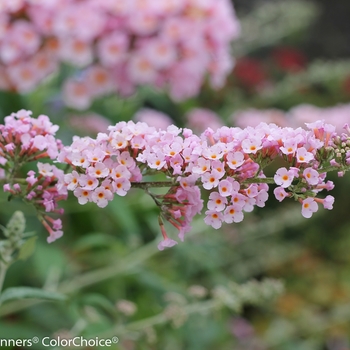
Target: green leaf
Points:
(29, 293)
(94, 240)
(27, 249)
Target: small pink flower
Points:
(233, 213)
(309, 206)
(101, 196)
(202, 166)
(251, 145)
(83, 195)
(216, 202)
(289, 146)
(72, 180)
(45, 169)
(261, 198)
(54, 235)
(284, 177)
(280, 193)
(238, 199)
(87, 182)
(328, 202)
(210, 179)
(235, 160)
(166, 243)
(99, 170)
(311, 176)
(213, 218)
(303, 156)
(121, 186)
(225, 188)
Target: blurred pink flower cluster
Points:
(24, 139)
(295, 117)
(116, 45)
(229, 163)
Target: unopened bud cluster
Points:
(23, 140)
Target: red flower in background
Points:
(249, 72)
(346, 85)
(289, 59)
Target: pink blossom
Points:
(309, 206)
(216, 202)
(71, 180)
(99, 170)
(122, 186)
(83, 195)
(54, 235)
(280, 193)
(45, 169)
(101, 196)
(213, 218)
(210, 179)
(284, 177)
(251, 145)
(233, 213)
(87, 182)
(225, 188)
(311, 176)
(235, 160)
(166, 243)
(303, 156)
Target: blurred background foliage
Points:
(197, 294)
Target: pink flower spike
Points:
(309, 206)
(311, 176)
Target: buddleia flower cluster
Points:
(24, 140)
(229, 164)
(116, 45)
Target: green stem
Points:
(152, 321)
(3, 270)
(146, 185)
(333, 168)
(98, 275)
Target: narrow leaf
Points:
(28, 292)
(27, 249)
